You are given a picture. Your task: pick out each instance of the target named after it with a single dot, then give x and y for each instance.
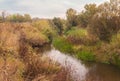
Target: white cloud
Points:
(1, 1)
(44, 8)
(49, 8)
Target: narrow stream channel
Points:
(81, 71)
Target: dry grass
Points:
(19, 61)
(11, 69)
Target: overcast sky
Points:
(44, 8)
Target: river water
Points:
(81, 71)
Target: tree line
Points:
(101, 20)
(14, 17)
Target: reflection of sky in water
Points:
(85, 71)
(76, 69)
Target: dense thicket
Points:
(93, 33)
(102, 20)
(106, 21)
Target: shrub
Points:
(77, 36)
(37, 65)
(115, 39)
(35, 38)
(115, 47)
(45, 26)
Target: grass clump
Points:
(85, 55)
(64, 46)
(77, 31)
(11, 69)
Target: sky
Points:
(44, 8)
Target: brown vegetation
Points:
(19, 60)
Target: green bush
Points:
(77, 36)
(62, 45)
(85, 55)
(77, 31)
(44, 26)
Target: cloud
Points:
(1, 1)
(44, 8)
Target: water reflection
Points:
(76, 68)
(103, 72)
(85, 71)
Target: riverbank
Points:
(99, 51)
(84, 71)
(22, 53)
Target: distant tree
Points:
(71, 18)
(59, 25)
(27, 17)
(0, 18)
(35, 19)
(15, 18)
(84, 18)
(3, 16)
(18, 18)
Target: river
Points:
(81, 71)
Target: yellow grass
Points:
(19, 61)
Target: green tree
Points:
(18, 18)
(59, 25)
(71, 18)
(27, 17)
(84, 18)
(15, 18)
(106, 22)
